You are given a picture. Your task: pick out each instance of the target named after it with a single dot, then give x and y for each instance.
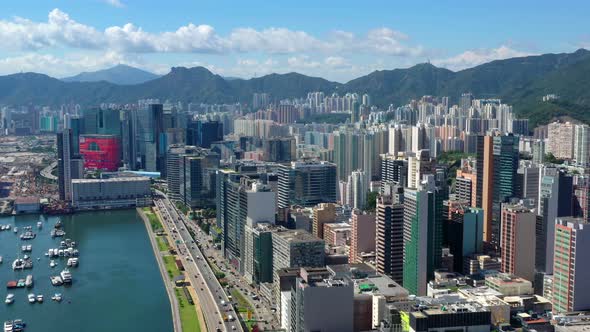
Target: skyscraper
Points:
(70, 165)
(200, 133)
(464, 233)
(555, 200)
(362, 235)
(390, 238)
(241, 201)
(518, 241)
(422, 247)
(582, 145)
(505, 167)
(197, 178)
(307, 183)
(358, 189)
(571, 274)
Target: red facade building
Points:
(100, 152)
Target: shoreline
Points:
(161, 266)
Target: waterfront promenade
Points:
(176, 322)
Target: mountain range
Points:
(518, 81)
(119, 74)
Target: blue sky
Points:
(338, 40)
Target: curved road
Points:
(46, 172)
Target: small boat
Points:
(52, 263)
(15, 230)
(1, 259)
(72, 262)
(57, 233)
(18, 325)
(32, 298)
(9, 299)
(28, 235)
(18, 264)
(57, 224)
(57, 297)
(56, 280)
(40, 298)
(8, 326)
(66, 276)
(11, 284)
(39, 224)
(29, 281)
(20, 283)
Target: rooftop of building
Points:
(506, 279)
(27, 200)
(116, 179)
(380, 285)
(353, 271)
(338, 226)
(448, 309)
(516, 208)
(297, 236)
(482, 291)
(104, 136)
(572, 222)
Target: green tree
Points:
(371, 201)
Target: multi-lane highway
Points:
(261, 310)
(215, 305)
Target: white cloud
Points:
(476, 57)
(336, 62)
(61, 31)
(115, 3)
(302, 62)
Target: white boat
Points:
(66, 276)
(57, 297)
(9, 299)
(40, 298)
(8, 326)
(15, 230)
(31, 298)
(1, 259)
(56, 280)
(52, 263)
(39, 224)
(29, 281)
(72, 262)
(18, 264)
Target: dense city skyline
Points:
(64, 38)
(430, 198)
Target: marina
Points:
(52, 270)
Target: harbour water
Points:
(117, 286)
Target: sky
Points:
(337, 40)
